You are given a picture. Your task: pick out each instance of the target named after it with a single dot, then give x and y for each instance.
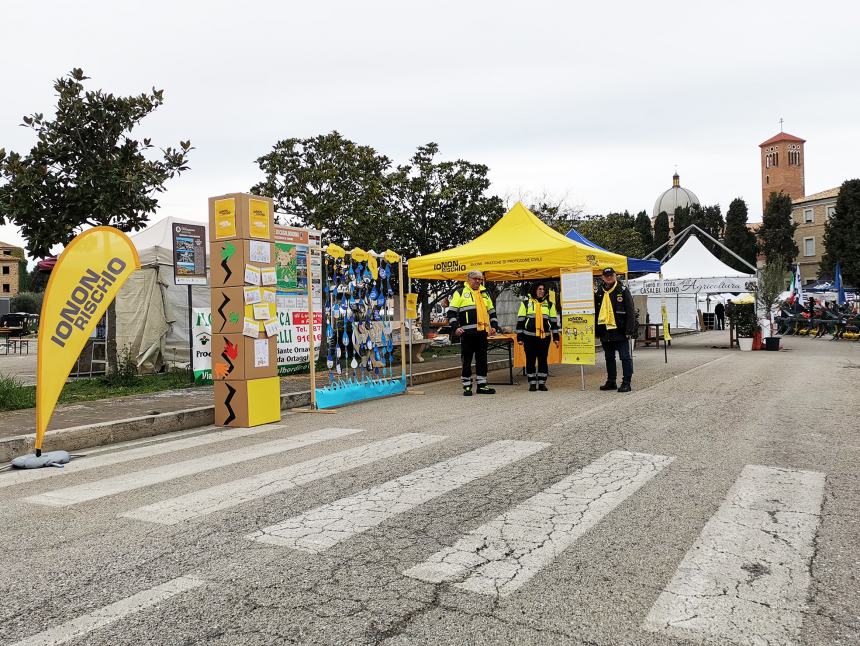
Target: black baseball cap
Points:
(609, 271)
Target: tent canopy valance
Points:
(517, 247)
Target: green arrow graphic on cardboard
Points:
(228, 251)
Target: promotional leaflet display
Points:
(291, 254)
(233, 307)
(359, 307)
(577, 318)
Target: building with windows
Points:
(782, 167)
(10, 256)
(811, 214)
(782, 170)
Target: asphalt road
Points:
(717, 504)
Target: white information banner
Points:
(690, 286)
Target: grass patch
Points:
(14, 395)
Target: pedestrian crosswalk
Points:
(748, 571)
(749, 563)
(324, 527)
(230, 494)
(138, 479)
(501, 556)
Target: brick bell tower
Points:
(782, 167)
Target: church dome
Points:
(674, 197)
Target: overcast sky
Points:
(595, 102)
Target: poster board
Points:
(189, 254)
(577, 318)
(291, 253)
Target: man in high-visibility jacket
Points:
(472, 317)
(537, 324)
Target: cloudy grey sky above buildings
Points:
(594, 102)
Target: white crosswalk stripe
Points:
(499, 557)
(118, 457)
(230, 494)
(745, 578)
(101, 617)
(325, 526)
(138, 479)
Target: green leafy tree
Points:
(738, 236)
(555, 213)
(771, 283)
(30, 302)
(682, 219)
(436, 205)
(38, 280)
(776, 235)
(661, 230)
(332, 184)
(842, 235)
(614, 232)
(86, 170)
(710, 220)
(643, 226)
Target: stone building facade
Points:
(10, 255)
(811, 214)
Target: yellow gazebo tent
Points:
(517, 247)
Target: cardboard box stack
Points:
(244, 318)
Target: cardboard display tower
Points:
(244, 318)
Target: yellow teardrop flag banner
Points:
(334, 251)
(373, 266)
(83, 283)
(391, 256)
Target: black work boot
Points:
(532, 388)
(625, 387)
(467, 391)
(484, 389)
(609, 385)
(542, 387)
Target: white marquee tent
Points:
(152, 312)
(693, 272)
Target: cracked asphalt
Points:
(604, 543)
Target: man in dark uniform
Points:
(720, 314)
(616, 323)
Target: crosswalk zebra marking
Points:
(109, 614)
(323, 527)
(138, 479)
(83, 464)
(499, 557)
(230, 494)
(745, 578)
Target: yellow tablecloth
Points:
(553, 357)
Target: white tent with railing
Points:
(692, 272)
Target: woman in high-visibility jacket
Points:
(537, 324)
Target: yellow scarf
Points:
(607, 314)
(481, 308)
(538, 309)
